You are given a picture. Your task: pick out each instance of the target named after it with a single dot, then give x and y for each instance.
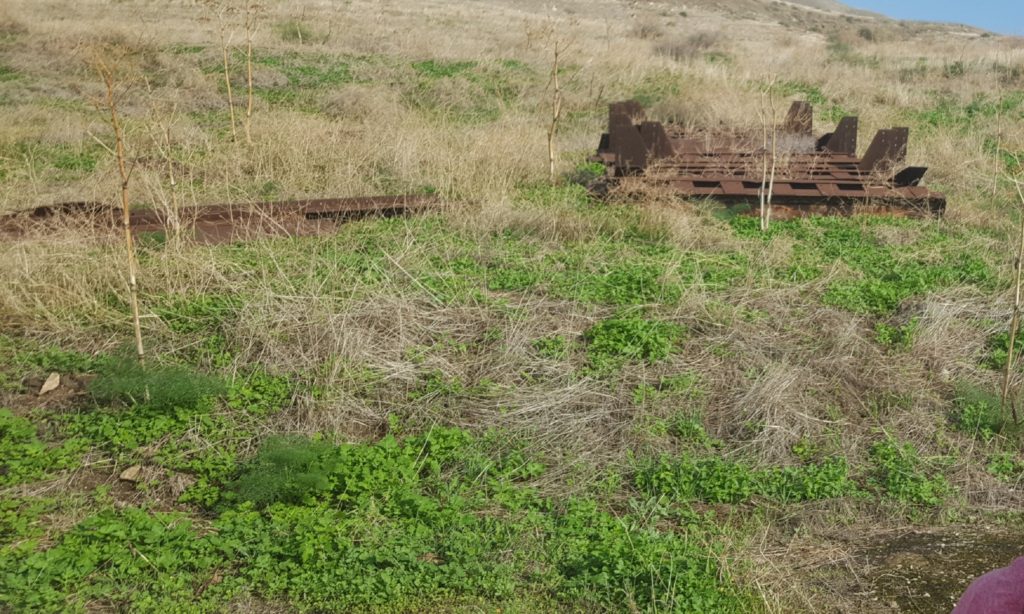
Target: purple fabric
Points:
(997, 592)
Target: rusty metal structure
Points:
(813, 175)
(218, 223)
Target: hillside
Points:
(530, 398)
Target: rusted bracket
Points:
(799, 119)
(843, 140)
(887, 149)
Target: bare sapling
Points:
(1015, 316)
(251, 11)
(225, 44)
(106, 72)
(559, 45)
(769, 157)
(556, 108)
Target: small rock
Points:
(131, 474)
(51, 383)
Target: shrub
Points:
(126, 382)
(294, 31)
(287, 470)
(693, 46)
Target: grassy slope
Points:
(533, 401)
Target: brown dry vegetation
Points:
(776, 366)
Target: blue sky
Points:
(1004, 16)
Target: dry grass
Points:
(797, 370)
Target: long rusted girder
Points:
(218, 223)
(812, 175)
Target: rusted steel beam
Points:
(220, 223)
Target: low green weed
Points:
(202, 314)
(657, 86)
(294, 31)
(883, 275)
(948, 112)
(129, 559)
(8, 74)
(978, 415)
(998, 350)
(1007, 466)
(441, 69)
(260, 393)
(24, 458)
(21, 521)
(842, 52)
(204, 444)
(900, 473)
(305, 75)
(467, 91)
(556, 347)
(405, 525)
(21, 357)
(716, 480)
(631, 337)
(897, 337)
(683, 386)
(714, 272)
(546, 195)
(618, 284)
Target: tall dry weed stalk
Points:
(106, 69)
(163, 145)
(769, 124)
(1015, 317)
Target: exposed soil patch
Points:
(67, 395)
(928, 571)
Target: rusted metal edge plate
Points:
(826, 200)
